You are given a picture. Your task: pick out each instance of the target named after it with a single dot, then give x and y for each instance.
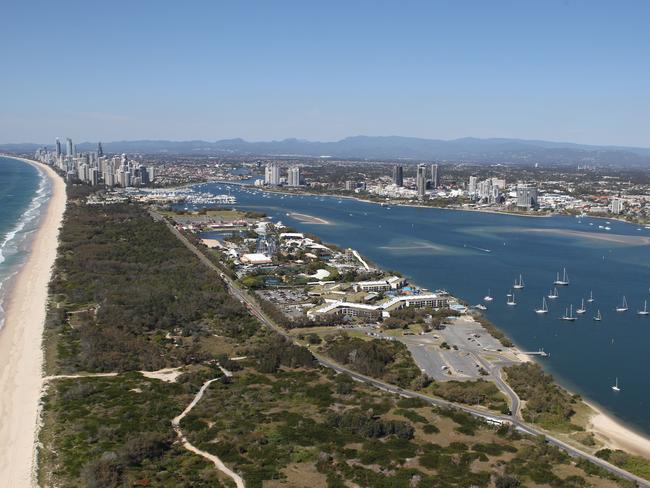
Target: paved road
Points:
(514, 419)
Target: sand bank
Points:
(624, 239)
(308, 219)
(21, 356)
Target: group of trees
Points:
(545, 401)
(139, 284)
(387, 360)
(428, 318)
(471, 393)
(368, 425)
(278, 351)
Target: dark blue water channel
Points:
(468, 253)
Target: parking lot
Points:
(462, 351)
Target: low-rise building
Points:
(392, 283)
(255, 259)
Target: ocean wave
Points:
(14, 242)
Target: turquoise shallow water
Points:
(23, 191)
(469, 252)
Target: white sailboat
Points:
(511, 300)
(623, 307)
(568, 315)
(553, 294)
(564, 281)
(615, 387)
(591, 297)
(518, 284)
(598, 317)
(488, 297)
(544, 308)
(645, 309)
(582, 308)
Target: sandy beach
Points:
(21, 355)
(615, 435)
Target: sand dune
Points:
(21, 356)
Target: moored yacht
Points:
(591, 297)
(568, 315)
(552, 294)
(511, 300)
(564, 281)
(582, 308)
(544, 308)
(518, 284)
(598, 317)
(623, 307)
(645, 309)
(488, 297)
(615, 386)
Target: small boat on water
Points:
(518, 284)
(598, 317)
(564, 281)
(488, 297)
(480, 307)
(644, 312)
(623, 307)
(568, 315)
(511, 300)
(615, 386)
(552, 294)
(544, 308)
(582, 308)
(591, 297)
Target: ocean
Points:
(469, 253)
(23, 192)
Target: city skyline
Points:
(559, 71)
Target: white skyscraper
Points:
(294, 176)
(272, 174)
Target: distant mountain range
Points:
(386, 148)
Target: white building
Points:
(272, 174)
(617, 206)
(392, 283)
(294, 176)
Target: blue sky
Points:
(559, 70)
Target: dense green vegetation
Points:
(387, 360)
(427, 318)
(115, 432)
(122, 303)
(546, 403)
(634, 464)
(478, 392)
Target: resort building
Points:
(432, 300)
(392, 283)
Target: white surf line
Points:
(190, 447)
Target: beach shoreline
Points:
(21, 354)
(612, 433)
